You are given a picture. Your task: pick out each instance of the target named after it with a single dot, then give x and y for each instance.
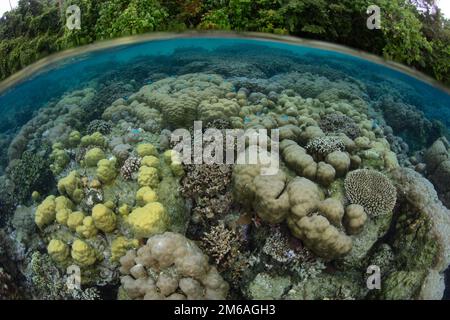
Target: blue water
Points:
(74, 73)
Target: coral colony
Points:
(163, 189)
(229, 147)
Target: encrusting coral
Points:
(170, 266)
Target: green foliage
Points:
(419, 38)
(403, 32)
(215, 19)
(123, 17)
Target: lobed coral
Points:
(170, 266)
(148, 220)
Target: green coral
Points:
(95, 139)
(72, 187)
(266, 287)
(28, 174)
(59, 157)
(93, 156)
(106, 170)
(402, 285)
(74, 139)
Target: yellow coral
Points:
(63, 203)
(95, 139)
(148, 220)
(35, 196)
(45, 212)
(87, 229)
(59, 157)
(146, 195)
(74, 220)
(150, 161)
(62, 215)
(168, 155)
(177, 169)
(74, 138)
(148, 176)
(120, 246)
(104, 218)
(173, 158)
(83, 254)
(63, 208)
(124, 210)
(71, 186)
(93, 156)
(58, 250)
(146, 149)
(106, 170)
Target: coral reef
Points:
(170, 266)
(133, 217)
(130, 166)
(101, 126)
(208, 187)
(437, 160)
(222, 245)
(30, 173)
(372, 190)
(339, 123)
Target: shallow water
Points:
(134, 94)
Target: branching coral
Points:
(339, 123)
(222, 244)
(104, 127)
(131, 165)
(372, 190)
(208, 187)
(29, 174)
(323, 146)
(8, 289)
(170, 266)
(47, 282)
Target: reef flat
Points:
(94, 204)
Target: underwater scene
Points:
(211, 167)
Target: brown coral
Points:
(222, 245)
(372, 190)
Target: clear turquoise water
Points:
(77, 72)
(235, 59)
